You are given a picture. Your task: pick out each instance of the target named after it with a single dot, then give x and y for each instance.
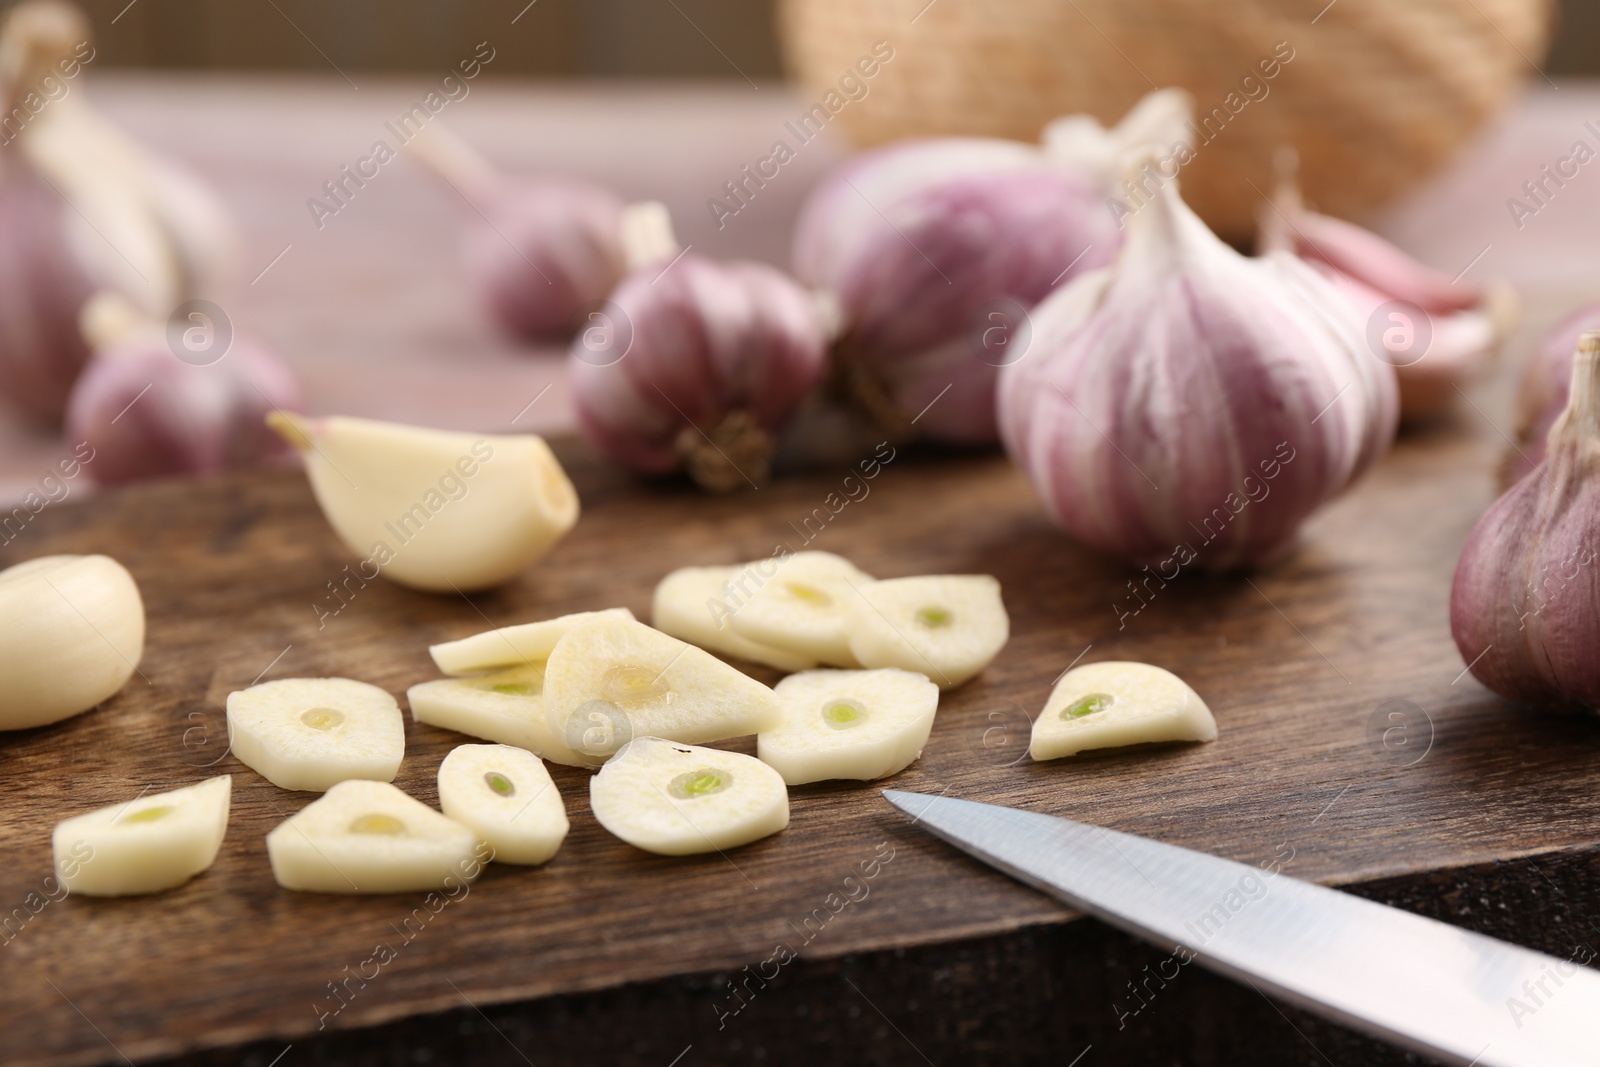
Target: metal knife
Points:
(1450, 993)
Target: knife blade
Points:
(1435, 988)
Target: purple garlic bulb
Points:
(1189, 405)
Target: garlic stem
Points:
(458, 163)
(647, 236)
(1578, 427)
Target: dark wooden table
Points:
(1488, 815)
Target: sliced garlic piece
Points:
(849, 724)
(368, 837)
(443, 512)
(512, 646)
(802, 603)
(615, 679)
(506, 706)
(506, 797)
(309, 733)
(144, 845)
(695, 604)
(71, 633)
(1106, 705)
(678, 800)
(948, 626)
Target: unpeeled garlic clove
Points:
(697, 365)
(935, 249)
(71, 634)
(149, 414)
(431, 509)
(1192, 405)
(1525, 602)
(1438, 333)
(1543, 393)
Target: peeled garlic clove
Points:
(1525, 602)
(697, 366)
(1193, 405)
(678, 800)
(947, 627)
(144, 845)
(800, 603)
(311, 733)
(511, 646)
(848, 724)
(694, 604)
(506, 797)
(1543, 393)
(369, 837)
(505, 706)
(1464, 326)
(932, 248)
(148, 414)
(1107, 705)
(430, 509)
(615, 679)
(71, 634)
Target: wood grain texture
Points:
(1295, 661)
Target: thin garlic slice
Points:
(506, 707)
(614, 679)
(145, 845)
(310, 733)
(512, 646)
(804, 606)
(948, 627)
(1106, 705)
(695, 603)
(369, 837)
(506, 797)
(849, 724)
(71, 634)
(679, 800)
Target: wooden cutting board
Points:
(1299, 663)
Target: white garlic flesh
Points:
(849, 724)
(679, 800)
(1111, 704)
(431, 509)
(312, 733)
(506, 797)
(802, 603)
(505, 706)
(71, 634)
(948, 627)
(614, 679)
(145, 845)
(369, 837)
(511, 646)
(694, 604)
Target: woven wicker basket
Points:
(1378, 92)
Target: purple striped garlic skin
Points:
(1525, 602)
(916, 239)
(1545, 389)
(148, 414)
(1189, 404)
(683, 349)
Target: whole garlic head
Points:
(71, 634)
(935, 249)
(698, 366)
(1191, 403)
(1525, 602)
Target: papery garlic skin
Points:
(1190, 403)
(1544, 390)
(149, 414)
(698, 366)
(1464, 323)
(431, 509)
(1525, 601)
(935, 249)
(71, 634)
